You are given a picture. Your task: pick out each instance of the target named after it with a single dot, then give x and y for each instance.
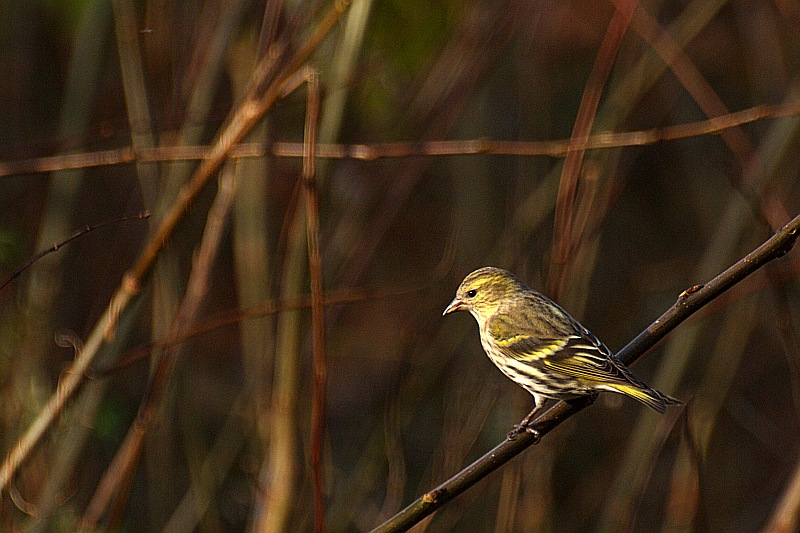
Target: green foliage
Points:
(10, 248)
(402, 41)
(67, 13)
(109, 423)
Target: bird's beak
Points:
(456, 305)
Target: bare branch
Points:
(84, 230)
(370, 152)
(318, 396)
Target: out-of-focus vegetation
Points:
(613, 234)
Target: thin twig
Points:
(226, 319)
(687, 304)
(371, 152)
(78, 233)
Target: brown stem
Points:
(318, 397)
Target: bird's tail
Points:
(650, 397)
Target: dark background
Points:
(411, 397)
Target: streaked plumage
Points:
(540, 346)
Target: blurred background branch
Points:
(370, 152)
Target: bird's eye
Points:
(471, 293)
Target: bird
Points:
(539, 346)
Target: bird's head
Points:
(483, 291)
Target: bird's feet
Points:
(524, 428)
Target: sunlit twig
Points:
(371, 152)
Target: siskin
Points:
(541, 347)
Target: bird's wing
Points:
(589, 361)
(580, 355)
(520, 341)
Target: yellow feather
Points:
(643, 395)
(539, 353)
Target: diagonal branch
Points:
(77, 233)
(687, 304)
